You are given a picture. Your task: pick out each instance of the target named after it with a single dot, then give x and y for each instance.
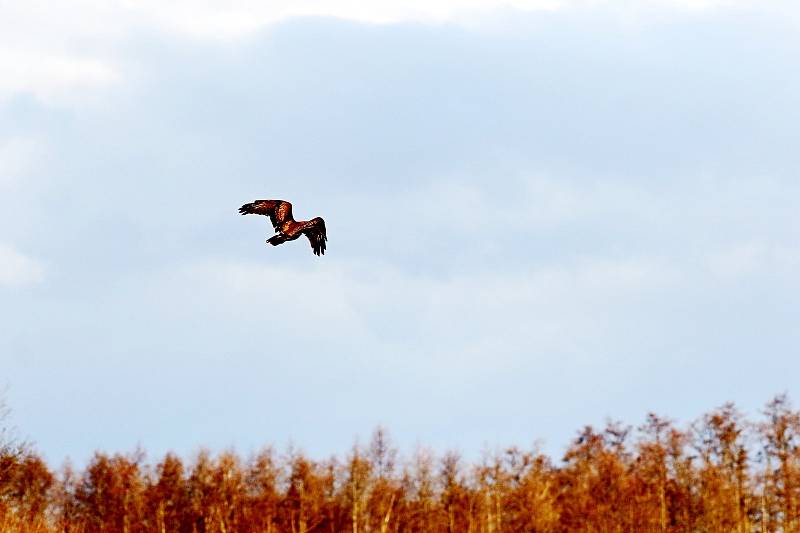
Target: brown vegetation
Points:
(721, 474)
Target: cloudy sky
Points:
(541, 213)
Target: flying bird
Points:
(286, 227)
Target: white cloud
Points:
(317, 296)
(55, 50)
(231, 19)
(17, 269)
(50, 75)
(531, 311)
(537, 202)
(18, 156)
(709, 4)
(752, 258)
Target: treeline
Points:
(720, 474)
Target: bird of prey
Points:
(286, 227)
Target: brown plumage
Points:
(286, 227)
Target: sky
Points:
(541, 214)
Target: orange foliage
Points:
(721, 474)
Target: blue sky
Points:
(540, 215)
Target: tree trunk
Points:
(387, 516)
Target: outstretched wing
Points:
(278, 211)
(314, 229)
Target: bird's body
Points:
(286, 227)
